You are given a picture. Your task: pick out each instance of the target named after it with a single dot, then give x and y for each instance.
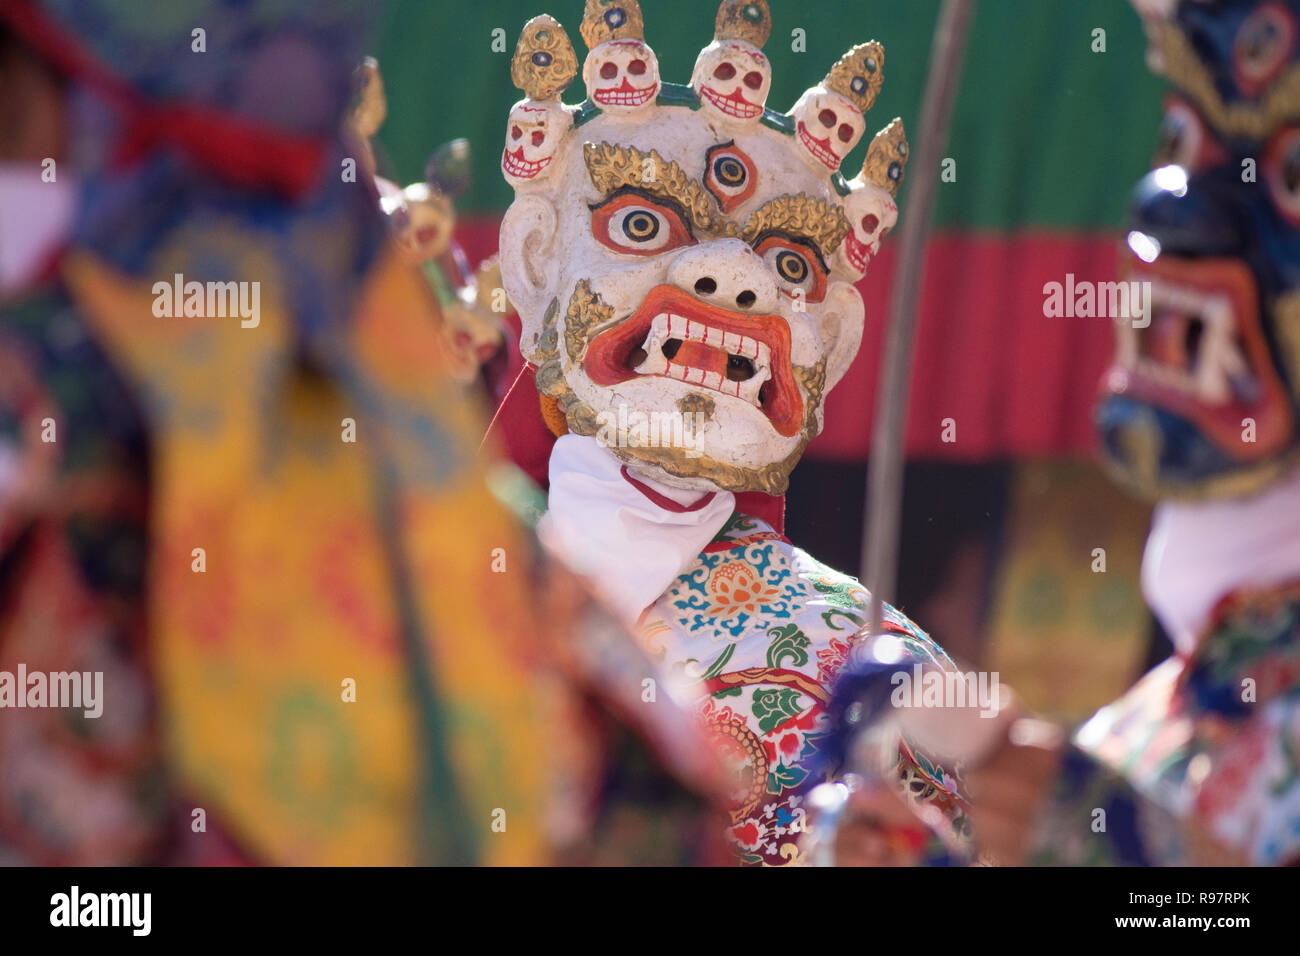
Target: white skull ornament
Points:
(872, 213)
(621, 75)
(871, 206)
(828, 126)
(533, 135)
(732, 80)
(621, 71)
(544, 64)
(732, 77)
(830, 119)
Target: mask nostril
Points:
(706, 286)
(746, 299)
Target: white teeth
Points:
(1178, 297)
(1218, 359)
(750, 388)
(667, 326)
(1127, 343)
(654, 364)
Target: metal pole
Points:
(880, 529)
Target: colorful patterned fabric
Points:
(73, 546)
(1202, 757)
(755, 632)
(334, 640)
(1068, 628)
(248, 673)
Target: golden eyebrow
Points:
(613, 167)
(1184, 68)
(821, 223)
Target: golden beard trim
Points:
(697, 403)
(587, 316)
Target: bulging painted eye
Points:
(730, 175)
(1262, 47)
(539, 137)
(1179, 137)
(640, 225)
(608, 71)
(754, 79)
(791, 266)
(801, 274)
(827, 118)
(725, 71)
(639, 228)
(636, 67)
(634, 225)
(1282, 170)
(730, 172)
(870, 222)
(846, 132)
(1185, 140)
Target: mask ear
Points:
(843, 315)
(528, 267)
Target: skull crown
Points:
(730, 83)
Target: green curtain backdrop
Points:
(1044, 129)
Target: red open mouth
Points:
(515, 165)
(624, 95)
(674, 335)
(1204, 356)
(821, 148)
(733, 104)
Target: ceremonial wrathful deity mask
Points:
(678, 258)
(1205, 399)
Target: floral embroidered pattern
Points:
(735, 587)
(788, 624)
(729, 593)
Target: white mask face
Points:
(35, 217)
